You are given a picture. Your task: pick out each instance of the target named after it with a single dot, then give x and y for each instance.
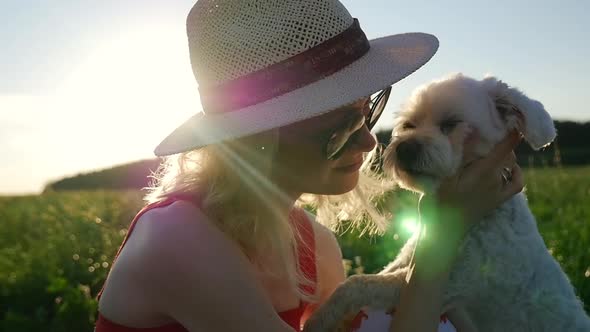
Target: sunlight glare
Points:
(410, 225)
(131, 91)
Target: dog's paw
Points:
(320, 322)
(340, 308)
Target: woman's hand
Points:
(463, 199)
(478, 188)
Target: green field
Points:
(56, 248)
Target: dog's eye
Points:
(408, 125)
(448, 125)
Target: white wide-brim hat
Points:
(243, 48)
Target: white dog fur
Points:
(504, 278)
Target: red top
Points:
(306, 254)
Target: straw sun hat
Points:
(263, 64)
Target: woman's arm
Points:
(330, 270)
(421, 299)
(195, 275)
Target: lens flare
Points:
(410, 225)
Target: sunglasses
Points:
(341, 136)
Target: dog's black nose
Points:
(408, 152)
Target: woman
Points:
(290, 91)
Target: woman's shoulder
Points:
(161, 241)
(325, 239)
(161, 237)
(171, 240)
(165, 230)
(328, 258)
(321, 233)
(178, 216)
(182, 264)
(178, 230)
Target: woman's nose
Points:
(363, 140)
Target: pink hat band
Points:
(290, 74)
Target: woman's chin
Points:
(343, 184)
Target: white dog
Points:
(504, 278)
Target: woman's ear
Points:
(520, 112)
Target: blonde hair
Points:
(231, 180)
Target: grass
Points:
(56, 248)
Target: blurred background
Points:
(87, 90)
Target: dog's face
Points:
(456, 120)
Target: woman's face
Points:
(301, 165)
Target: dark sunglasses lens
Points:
(377, 105)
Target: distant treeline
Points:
(572, 147)
(129, 176)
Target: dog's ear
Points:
(520, 112)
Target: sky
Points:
(86, 85)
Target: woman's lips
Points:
(350, 167)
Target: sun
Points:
(136, 87)
(111, 107)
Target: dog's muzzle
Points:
(407, 153)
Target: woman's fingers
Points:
(510, 160)
(486, 183)
(499, 153)
(515, 185)
(507, 183)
